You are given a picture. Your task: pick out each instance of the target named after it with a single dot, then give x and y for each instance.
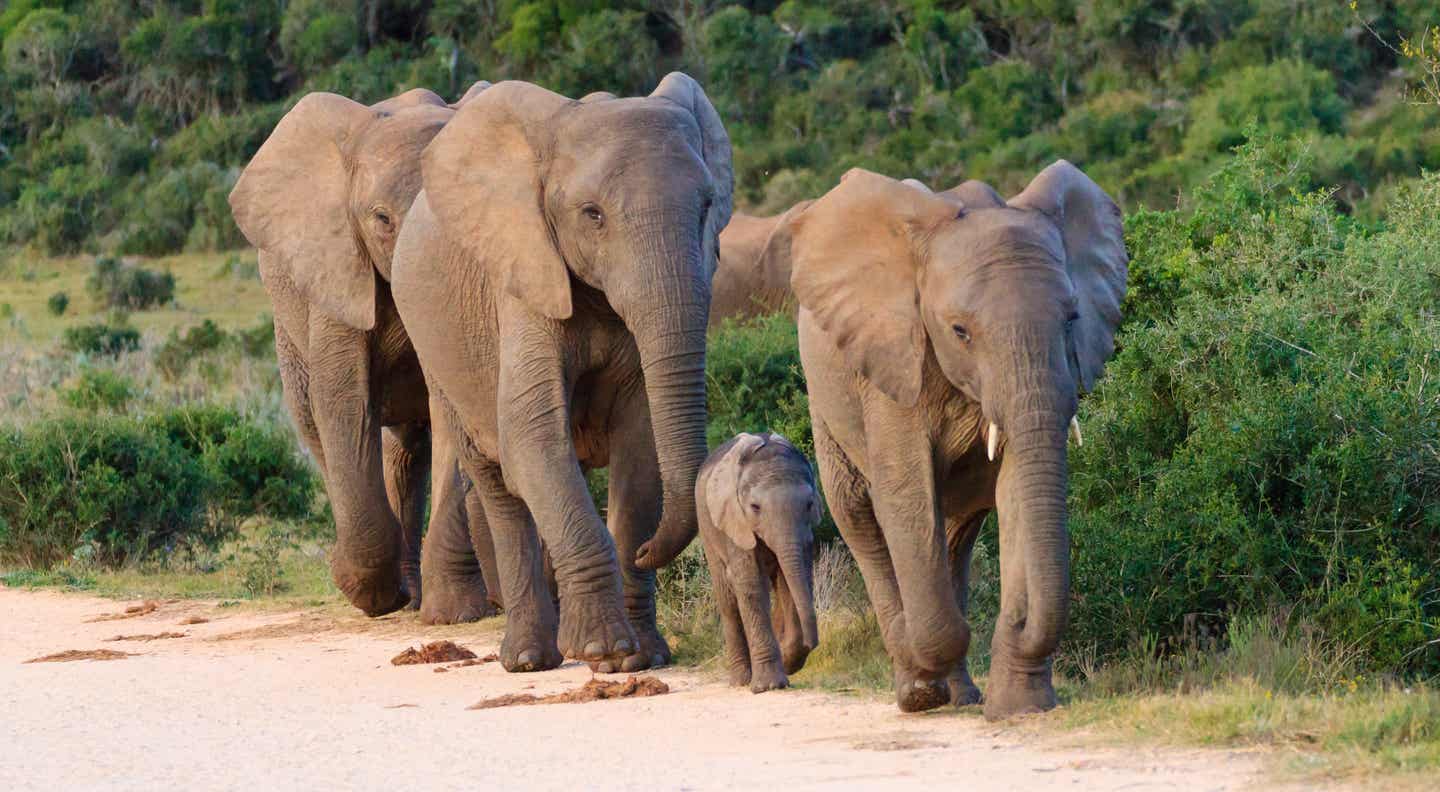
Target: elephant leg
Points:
(454, 579)
(737, 649)
(531, 623)
(365, 562)
(481, 542)
(751, 593)
(539, 465)
(406, 453)
(848, 495)
(1018, 681)
(634, 512)
(960, 534)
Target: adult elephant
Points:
(945, 338)
(555, 277)
(323, 200)
(753, 275)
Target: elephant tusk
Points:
(992, 440)
(1075, 430)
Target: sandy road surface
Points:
(260, 701)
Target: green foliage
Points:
(102, 487)
(1266, 431)
(119, 285)
(1286, 97)
(98, 390)
(112, 337)
(174, 356)
(58, 303)
(316, 33)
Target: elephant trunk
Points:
(1035, 458)
(798, 568)
(668, 321)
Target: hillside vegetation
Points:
(123, 124)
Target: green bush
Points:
(100, 486)
(112, 338)
(1286, 97)
(1265, 434)
(58, 303)
(98, 389)
(130, 287)
(174, 356)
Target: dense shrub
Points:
(1267, 432)
(111, 337)
(101, 486)
(99, 389)
(174, 356)
(130, 287)
(115, 490)
(58, 303)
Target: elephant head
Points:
(611, 201)
(326, 194)
(762, 491)
(1016, 301)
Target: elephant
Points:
(758, 508)
(945, 340)
(323, 200)
(554, 274)
(753, 276)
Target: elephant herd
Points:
(491, 297)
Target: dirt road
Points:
(254, 700)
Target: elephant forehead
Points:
(990, 236)
(629, 119)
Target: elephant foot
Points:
(526, 648)
(654, 652)
(373, 591)
(1012, 692)
(455, 602)
(963, 690)
(913, 694)
(768, 678)
(410, 580)
(740, 674)
(593, 632)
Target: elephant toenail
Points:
(594, 649)
(527, 659)
(624, 647)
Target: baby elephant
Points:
(758, 507)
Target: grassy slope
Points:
(203, 290)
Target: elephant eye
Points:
(594, 214)
(383, 218)
(961, 333)
(1071, 320)
(755, 507)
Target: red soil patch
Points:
(195, 620)
(71, 655)
(594, 690)
(474, 661)
(437, 652)
(148, 606)
(151, 637)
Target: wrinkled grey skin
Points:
(554, 275)
(924, 319)
(323, 200)
(753, 275)
(758, 511)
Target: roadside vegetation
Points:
(1256, 510)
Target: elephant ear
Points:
(482, 176)
(722, 492)
(1093, 234)
(478, 87)
(855, 252)
(415, 97)
(681, 89)
(292, 202)
(776, 262)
